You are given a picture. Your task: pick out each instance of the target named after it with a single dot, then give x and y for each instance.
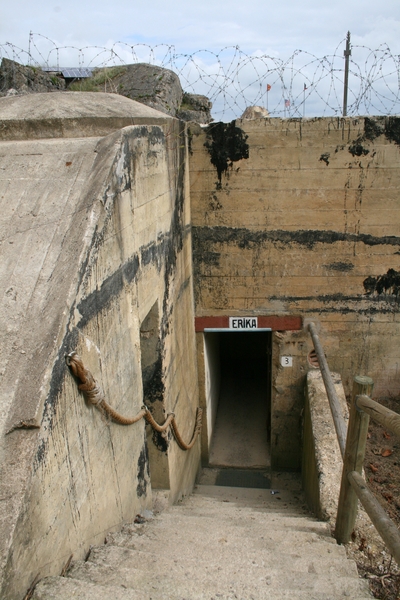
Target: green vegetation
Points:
(186, 103)
(84, 85)
(99, 78)
(186, 106)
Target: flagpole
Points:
(268, 88)
(286, 103)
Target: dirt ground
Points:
(382, 472)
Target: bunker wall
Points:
(83, 474)
(301, 217)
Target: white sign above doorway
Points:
(243, 323)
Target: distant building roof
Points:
(71, 72)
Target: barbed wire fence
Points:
(302, 85)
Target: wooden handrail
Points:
(353, 485)
(384, 416)
(338, 420)
(382, 522)
(352, 447)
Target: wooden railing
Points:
(353, 485)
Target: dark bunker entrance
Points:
(238, 366)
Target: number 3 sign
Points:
(287, 361)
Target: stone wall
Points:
(301, 217)
(98, 239)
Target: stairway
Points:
(220, 543)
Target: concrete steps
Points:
(221, 543)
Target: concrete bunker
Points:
(238, 368)
(262, 243)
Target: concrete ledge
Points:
(322, 461)
(72, 114)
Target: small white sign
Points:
(287, 361)
(243, 323)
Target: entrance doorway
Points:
(238, 365)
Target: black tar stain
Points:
(142, 470)
(109, 289)
(205, 237)
(226, 144)
(56, 384)
(388, 284)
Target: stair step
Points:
(214, 521)
(206, 534)
(170, 558)
(221, 543)
(112, 565)
(65, 588)
(62, 588)
(246, 478)
(247, 520)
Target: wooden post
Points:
(353, 460)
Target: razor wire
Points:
(303, 85)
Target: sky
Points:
(261, 27)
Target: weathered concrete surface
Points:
(220, 543)
(71, 115)
(41, 214)
(94, 233)
(300, 217)
(322, 462)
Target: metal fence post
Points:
(353, 460)
(347, 54)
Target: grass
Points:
(100, 77)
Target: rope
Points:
(196, 431)
(95, 395)
(93, 392)
(160, 428)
